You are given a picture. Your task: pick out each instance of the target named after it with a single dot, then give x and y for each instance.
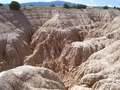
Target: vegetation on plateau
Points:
(14, 5)
(1, 4)
(78, 6)
(52, 5)
(105, 7)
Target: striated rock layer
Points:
(63, 29)
(101, 70)
(81, 46)
(14, 45)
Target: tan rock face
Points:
(13, 46)
(30, 78)
(49, 41)
(110, 30)
(102, 69)
(51, 47)
(76, 53)
(79, 88)
(73, 43)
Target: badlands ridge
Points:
(80, 48)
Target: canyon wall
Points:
(80, 46)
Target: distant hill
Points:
(56, 3)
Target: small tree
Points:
(80, 6)
(66, 6)
(31, 5)
(118, 8)
(1, 4)
(105, 7)
(52, 5)
(73, 6)
(14, 5)
(115, 7)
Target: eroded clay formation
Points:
(80, 46)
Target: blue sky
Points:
(87, 2)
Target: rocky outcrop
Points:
(50, 39)
(50, 44)
(79, 88)
(61, 40)
(14, 45)
(57, 28)
(30, 78)
(101, 70)
(110, 30)
(76, 53)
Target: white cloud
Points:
(110, 5)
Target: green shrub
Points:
(66, 6)
(1, 4)
(115, 7)
(52, 5)
(80, 6)
(73, 6)
(118, 8)
(30, 5)
(105, 7)
(14, 5)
